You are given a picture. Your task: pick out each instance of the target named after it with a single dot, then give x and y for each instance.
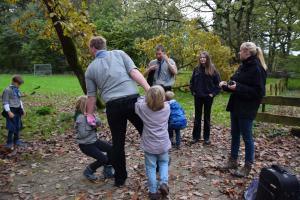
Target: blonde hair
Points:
(255, 50)
(98, 42)
(80, 105)
(155, 98)
(169, 95)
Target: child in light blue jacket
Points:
(177, 120)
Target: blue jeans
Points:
(13, 125)
(150, 163)
(242, 127)
(178, 137)
(12, 138)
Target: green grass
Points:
(272, 80)
(49, 85)
(50, 109)
(57, 94)
(219, 115)
(183, 77)
(294, 84)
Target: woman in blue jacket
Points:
(204, 86)
(247, 87)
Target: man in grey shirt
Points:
(114, 75)
(162, 70)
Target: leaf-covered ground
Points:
(52, 168)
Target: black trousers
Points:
(95, 150)
(118, 112)
(167, 88)
(199, 103)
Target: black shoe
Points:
(89, 174)
(154, 196)
(120, 182)
(207, 142)
(108, 171)
(164, 189)
(194, 141)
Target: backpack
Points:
(276, 183)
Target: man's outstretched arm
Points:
(136, 75)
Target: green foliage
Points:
(122, 24)
(289, 64)
(44, 110)
(20, 50)
(66, 117)
(185, 45)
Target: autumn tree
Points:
(185, 45)
(273, 25)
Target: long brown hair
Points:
(209, 66)
(80, 105)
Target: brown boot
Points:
(154, 196)
(230, 164)
(164, 189)
(244, 171)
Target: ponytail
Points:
(261, 58)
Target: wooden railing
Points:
(275, 89)
(279, 119)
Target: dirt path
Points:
(53, 170)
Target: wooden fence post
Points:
(263, 107)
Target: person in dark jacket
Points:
(204, 86)
(247, 87)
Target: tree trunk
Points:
(248, 20)
(69, 50)
(68, 46)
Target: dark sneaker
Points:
(9, 146)
(108, 171)
(230, 164)
(194, 141)
(164, 189)
(207, 142)
(177, 147)
(244, 171)
(120, 182)
(154, 196)
(89, 174)
(19, 143)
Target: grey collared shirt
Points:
(110, 75)
(165, 77)
(11, 100)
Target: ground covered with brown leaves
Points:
(52, 168)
